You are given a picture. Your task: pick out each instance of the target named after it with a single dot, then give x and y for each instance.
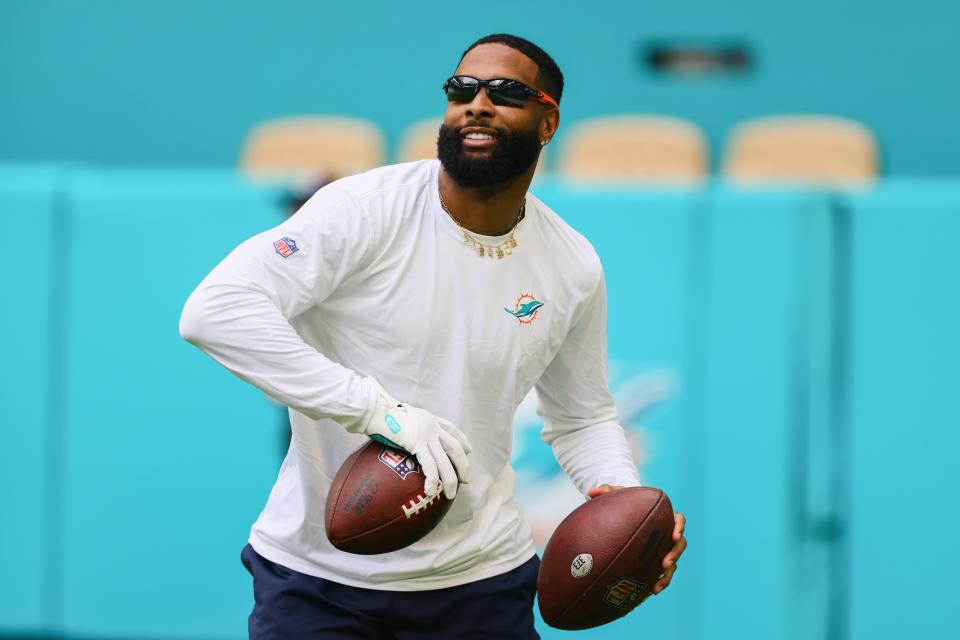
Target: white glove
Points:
(439, 446)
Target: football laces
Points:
(421, 503)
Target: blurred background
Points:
(774, 190)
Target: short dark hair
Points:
(548, 72)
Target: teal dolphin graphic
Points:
(525, 311)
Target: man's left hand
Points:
(679, 541)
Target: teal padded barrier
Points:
(905, 358)
(755, 322)
(643, 240)
(169, 458)
(28, 226)
(776, 438)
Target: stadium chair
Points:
(645, 148)
(419, 142)
(806, 149)
(308, 147)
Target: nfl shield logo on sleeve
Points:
(285, 246)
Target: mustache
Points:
(476, 123)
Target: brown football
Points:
(604, 558)
(377, 503)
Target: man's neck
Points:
(488, 211)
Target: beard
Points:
(512, 155)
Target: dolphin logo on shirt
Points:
(525, 310)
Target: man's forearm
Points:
(245, 332)
(594, 455)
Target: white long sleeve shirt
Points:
(372, 278)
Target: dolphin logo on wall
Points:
(544, 492)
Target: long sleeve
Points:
(239, 314)
(580, 420)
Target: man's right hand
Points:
(439, 446)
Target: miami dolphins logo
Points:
(526, 309)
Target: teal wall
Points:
(179, 82)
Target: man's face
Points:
(482, 144)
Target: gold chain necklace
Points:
(504, 248)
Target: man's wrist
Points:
(360, 423)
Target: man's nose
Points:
(481, 104)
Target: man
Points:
(441, 292)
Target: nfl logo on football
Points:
(401, 462)
(625, 593)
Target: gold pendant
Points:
(504, 248)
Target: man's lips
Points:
(478, 137)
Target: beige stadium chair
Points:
(312, 146)
(419, 142)
(806, 149)
(646, 148)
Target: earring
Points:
(544, 142)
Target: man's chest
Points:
(492, 321)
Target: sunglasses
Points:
(501, 91)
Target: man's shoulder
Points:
(564, 240)
(378, 199)
(387, 180)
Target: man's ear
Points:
(549, 124)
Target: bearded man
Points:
(444, 292)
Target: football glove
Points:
(439, 446)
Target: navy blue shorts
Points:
(294, 605)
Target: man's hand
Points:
(679, 541)
(439, 446)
